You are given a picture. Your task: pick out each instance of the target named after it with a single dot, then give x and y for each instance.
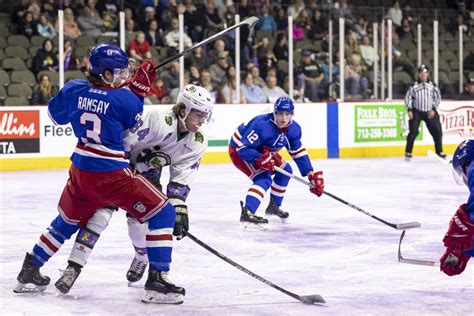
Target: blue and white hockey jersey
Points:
(261, 132)
(99, 117)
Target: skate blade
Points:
(135, 284)
(29, 288)
(161, 298)
(253, 227)
(275, 218)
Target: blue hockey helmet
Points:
(284, 104)
(107, 56)
(462, 157)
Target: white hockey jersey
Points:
(159, 134)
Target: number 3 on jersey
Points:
(94, 131)
(252, 137)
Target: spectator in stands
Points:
(325, 68)
(342, 10)
(356, 81)
(395, 13)
(50, 8)
(110, 23)
(70, 26)
(469, 60)
(19, 11)
(368, 53)
(310, 75)
(158, 89)
(219, 49)
(45, 58)
(172, 38)
(27, 25)
(214, 21)
(252, 92)
(468, 93)
(90, 23)
(244, 9)
(43, 91)
(303, 26)
(198, 58)
(219, 70)
(147, 16)
(214, 89)
(139, 48)
(281, 20)
(471, 13)
(408, 14)
(319, 25)
(194, 75)
(70, 60)
(405, 30)
(462, 10)
(230, 92)
(361, 28)
(460, 22)
(257, 79)
(154, 35)
(45, 28)
(281, 48)
(195, 20)
(273, 91)
(266, 21)
(171, 81)
(266, 60)
(295, 8)
(351, 46)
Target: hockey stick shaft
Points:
(413, 261)
(304, 299)
(396, 226)
(250, 22)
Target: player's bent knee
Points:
(60, 226)
(164, 219)
(288, 168)
(100, 220)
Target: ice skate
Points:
(273, 209)
(30, 275)
(136, 271)
(159, 290)
(250, 220)
(66, 281)
(408, 156)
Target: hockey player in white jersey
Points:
(171, 137)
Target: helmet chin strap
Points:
(109, 83)
(183, 121)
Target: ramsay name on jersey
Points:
(93, 105)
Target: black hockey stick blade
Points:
(413, 261)
(250, 22)
(306, 299)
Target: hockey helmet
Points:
(108, 56)
(198, 98)
(284, 104)
(462, 157)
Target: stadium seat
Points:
(18, 40)
(4, 78)
(23, 76)
(33, 50)
(15, 63)
(19, 90)
(283, 65)
(85, 40)
(73, 74)
(16, 101)
(3, 42)
(2, 54)
(16, 51)
(37, 40)
(81, 51)
(53, 76)
(107, 39)
(4, 30)
(3, 94)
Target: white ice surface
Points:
(325, 247)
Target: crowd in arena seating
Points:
(152, 32)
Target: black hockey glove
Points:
(181, 225)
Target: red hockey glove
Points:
(458, 238)
(316, 179)
(265, 161)
(143, 79)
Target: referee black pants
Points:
(433, 125)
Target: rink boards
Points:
(30, 140)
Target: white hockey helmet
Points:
(198, 98)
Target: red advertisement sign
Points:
(19, 132)
(458, 121)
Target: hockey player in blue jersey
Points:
(100, 111)
(254, 148)
(459, 239)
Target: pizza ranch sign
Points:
(458, 121)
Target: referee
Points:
(422, 100)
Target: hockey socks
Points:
(159, 239)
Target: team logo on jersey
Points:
(19, 132)
(198, 137)
(140, 207)
(169, 120)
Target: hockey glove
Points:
(265, 161)
(181, 226)
(317, 181)
(144, 77)
(458, 238)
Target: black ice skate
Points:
(159, 290)
(249, 219)
(273, 209)
(136, 270)
(408, 156)
(66, 281)
(442, 155)
(30, 274)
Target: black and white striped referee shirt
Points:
(423, 97)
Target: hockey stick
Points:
(250, 22)
(396, 226)
(307, 299)
(433, 155)
(413, 261)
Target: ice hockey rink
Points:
(324, 248)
